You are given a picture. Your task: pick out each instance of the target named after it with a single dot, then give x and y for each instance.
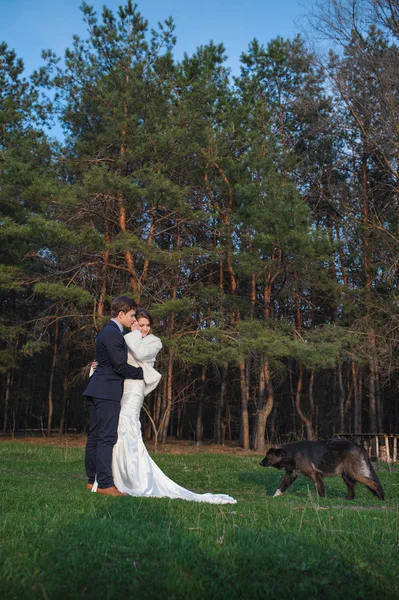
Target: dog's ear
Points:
(278, 451)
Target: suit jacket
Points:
(112, 369)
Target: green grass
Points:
(58, 541)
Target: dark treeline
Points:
(256, 217)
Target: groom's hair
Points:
(122, 303)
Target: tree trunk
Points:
(129, 260)
(65, 396)
(253, 294)
(225, 214)
(367, 295)
(360, 395)
(311, 399)
(15, 407)
(169, 398)
(341, 400)
(180, 419)
(380, 410)
(199, 428)
(148, 244)
(158, 403)
(7, 399)
(219, 429)
(357, 404)
(307, 421)
(302, 416)
(148, 428)
(52, 370)
(244, 385)
(372, 394)
(292, 396)
(104, 268)
(265, 404)
(272, 424)
(265, 393)
(255, 442)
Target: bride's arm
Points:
(93, 367)
(140, 349)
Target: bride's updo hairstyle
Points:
(144, 314)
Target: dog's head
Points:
(274, 457)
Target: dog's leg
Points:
(374, 487)
(377, 490)
(379, 493)
(350, 484)
(369, 478)
(318, 481)
(288, 480)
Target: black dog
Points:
(324, 459)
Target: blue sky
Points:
(29, 26)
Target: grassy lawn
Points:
(59, 541)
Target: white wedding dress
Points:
(133, 469)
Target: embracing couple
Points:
(117, 462)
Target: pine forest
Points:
(255, 215)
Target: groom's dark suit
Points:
(104, 393)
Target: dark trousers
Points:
(104, 416)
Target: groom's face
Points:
(127, 319)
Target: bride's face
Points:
(144, 326)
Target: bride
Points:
(134, 472)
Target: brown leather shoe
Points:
(111, 491)
(89, 486)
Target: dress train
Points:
(133, 469)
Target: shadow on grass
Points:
(172, 560)
(141, 548)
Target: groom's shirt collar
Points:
(119, 325)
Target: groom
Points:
(104, 392)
